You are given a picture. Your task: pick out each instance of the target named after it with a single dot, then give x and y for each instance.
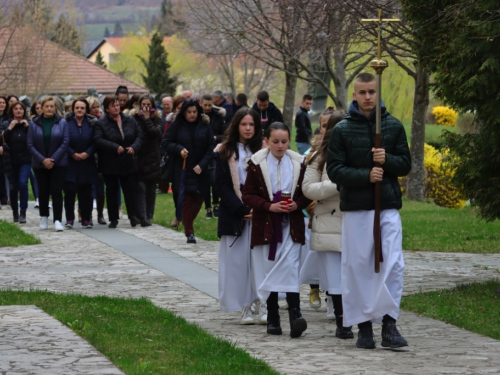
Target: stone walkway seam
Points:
(435, 347)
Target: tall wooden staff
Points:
(378, 65)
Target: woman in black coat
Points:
(191, 139)
(15, 139)
(82, 169)
(117, 138)
(148, 157)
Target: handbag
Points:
(167, 168)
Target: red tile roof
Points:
(34, 66)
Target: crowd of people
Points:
(285, 218)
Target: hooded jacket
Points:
(270, 115)
(350, 160)
(257, 194)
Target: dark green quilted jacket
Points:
(350, 160)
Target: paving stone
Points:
(72, 262)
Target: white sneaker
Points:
(50, 204)
(58, 226)
(44, 223)
(36, 203)
(330, 311)
(263, 313)
(246, 317)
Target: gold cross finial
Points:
(380, 21)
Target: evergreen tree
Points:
(99, 60)
(66, 35)
(118, 30)
(106, 32)
(166, 23)
(158, 78)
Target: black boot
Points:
(297, 323)
(273, 316)
(342, 332)
(22, 217)
(391, 338)
(365, 336)
(16, 216)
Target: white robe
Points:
(309, 260)
(282, 273)
(235, 275)
(366, 295)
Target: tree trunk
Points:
(340, 79)
(289, 102)
(415, 182)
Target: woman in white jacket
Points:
(326, 235)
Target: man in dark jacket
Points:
(220, 101)
(218, 128)
(369, 296)
(269, 113)
(303, 125)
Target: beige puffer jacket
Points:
(327, 221)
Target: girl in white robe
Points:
(277, 226)
(236, 292)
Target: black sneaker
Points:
(134, 221)
(209, 215)
(343, 332)
(16, 216)
(191, 239)
(216, 211)
(297, 323)
(113, 224)
(274, 328)
(69, 224)
(391, 338)
(365, 338)
(22, 218)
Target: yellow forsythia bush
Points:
(445, 116)
(438, 181)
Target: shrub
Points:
(438, 180)
(445, 116)
(466, 123)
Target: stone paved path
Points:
(32, 342)
(73, 262)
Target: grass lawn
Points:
(11, 235)
(432, 132)
(139, 337)
(432, 228)
(473, 307)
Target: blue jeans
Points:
(19, 186)
(302, 147)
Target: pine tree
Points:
(106, 32)
(118, 30)
(99, 60)
(158, 78)
(66, 35)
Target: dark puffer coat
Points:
(107, 138)
(17, 142)
(350, 160)
(199, 141)
(59, 141)
(148, 157)
(81, 139)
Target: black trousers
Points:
(84, 192)
(51, 183)
(210, 191)
(146, 199)
(129, 187)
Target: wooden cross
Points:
(378, 65)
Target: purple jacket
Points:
(59, 141)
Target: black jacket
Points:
(107, 138)
(81, 139)
(303, 126)
(229, 111)
(200, 148)
(17, 142)
(231, 208)
(350, 160)
(270, 115)
(148, 157)
(217, 124)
